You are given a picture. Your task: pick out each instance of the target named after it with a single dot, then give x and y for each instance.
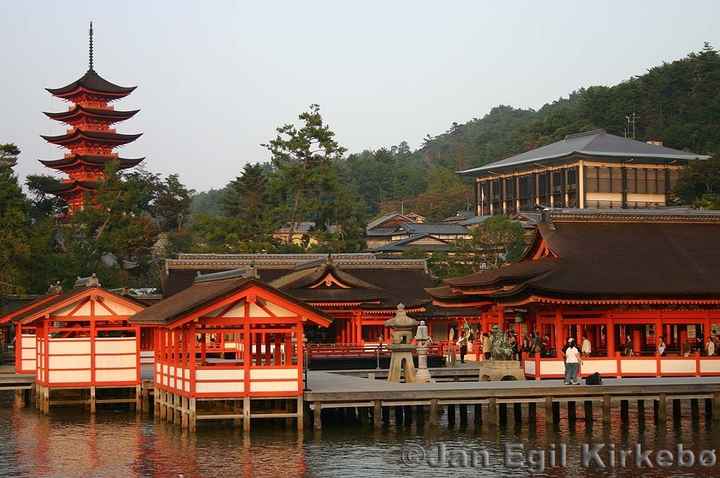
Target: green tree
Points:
(171, 204)
(699, 184)
(305, 183)
(14, 225)
(246, 200)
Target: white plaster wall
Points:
(709, 365)
(115, 361)
(280, 386)
(603, 367)
(115, 346)
(219, 387)
(69, 376)
(677, 366)
(639, 366)
(220, 374)
(128, 375)
(273, 374)
(69, 361)
(69, 346)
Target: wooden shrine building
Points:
(91, 137)
(608, 275)
(79, 341)
(261, 330)
(359, 291)
(594, 169)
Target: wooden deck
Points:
(330, 390)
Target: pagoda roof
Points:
(79, 110)
(124, 163)
(65, 186)
(106, 137)
(92, 82)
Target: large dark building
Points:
(586, 170)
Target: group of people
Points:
(696, 345)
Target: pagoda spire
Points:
(91, 47)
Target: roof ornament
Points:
(55, 288)
(91, 46)
(91, 281)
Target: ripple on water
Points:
(69, 443)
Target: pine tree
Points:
(14, 225)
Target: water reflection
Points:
(118, 443)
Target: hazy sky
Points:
(216, 77)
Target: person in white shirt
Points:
(710, 347)
(586, 347)
(572, 365)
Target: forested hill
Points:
(677, 103)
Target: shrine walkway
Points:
(333, 390)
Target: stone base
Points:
(500, 369)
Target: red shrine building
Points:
(91, 136)
(80, 341)
(627, 280)
(359, 291)
(259, 333)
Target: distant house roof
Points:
(597, 143)
(300, 228)
(396, 218)
(430, 244)
(444, 229)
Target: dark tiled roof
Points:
(62, 186)
(205, 293)
(615, 255)
(107, 137)
(94, 82)
(390, 280)
(592, 143)
(405, 244)
(381, 232)
(107, 114)
(433, 229)
(124, 163)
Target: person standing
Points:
(486, 346)
(628, 347)
(586, 347)
(661, 347)
(710, 347)
(463, 345)
(572, 363)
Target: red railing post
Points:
(618, 360)
(537, 366)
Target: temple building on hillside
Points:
(90, 139)
(628, 281)
(586, 170)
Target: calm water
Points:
(118, 444)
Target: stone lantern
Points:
(401, 348)
(422, 338)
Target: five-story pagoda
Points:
(90, 138)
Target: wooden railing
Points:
(620, 366)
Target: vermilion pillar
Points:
(558, 332)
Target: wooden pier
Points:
(490, 400)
